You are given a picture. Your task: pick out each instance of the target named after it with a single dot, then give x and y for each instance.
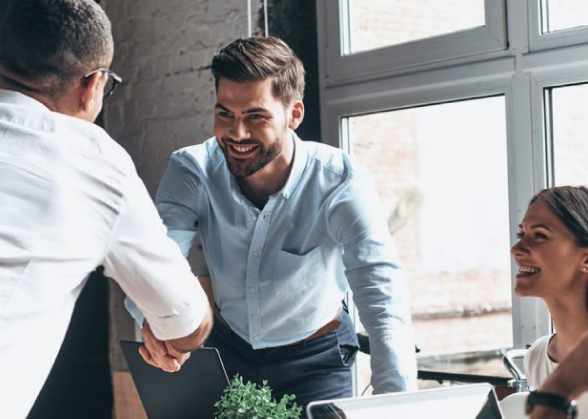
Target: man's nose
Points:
(239, 130)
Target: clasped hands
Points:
(161, 354)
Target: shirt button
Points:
(251, 289)
(255, 254)
(254, 217)
(254, 316)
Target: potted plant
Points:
(250, 401)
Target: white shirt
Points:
(539, 366)
(71, 200)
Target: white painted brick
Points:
(161, 49)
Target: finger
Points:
(169, 364)
(166, 363)
(181, 357)
(156, 347)
(147, 357)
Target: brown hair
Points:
(570, 205)
(257, 58)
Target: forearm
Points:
(385, 313)
(195, 339)
(206, 285)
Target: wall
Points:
(163, 52)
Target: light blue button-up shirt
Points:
(280, 273)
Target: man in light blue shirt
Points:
(286, 227)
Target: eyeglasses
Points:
(113, 80)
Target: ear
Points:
(296, 114)
(584, 264)
(89, 91)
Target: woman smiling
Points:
(552, 260)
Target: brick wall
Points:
(162, 51)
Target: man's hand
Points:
(170, 355)
(160, 354)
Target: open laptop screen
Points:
(476, 401)
(187, 394)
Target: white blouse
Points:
(539, 366)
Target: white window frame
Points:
(540, 41)
(376, 63)
(528, 63)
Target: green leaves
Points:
(249, 401)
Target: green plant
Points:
(249, 401)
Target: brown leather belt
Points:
(327, 328)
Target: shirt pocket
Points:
(295, 272)
(10, 276)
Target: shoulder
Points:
(201, 159)
(90, 141)
(332, 163)
(537, 363)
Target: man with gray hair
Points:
(71, 200)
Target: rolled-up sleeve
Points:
(377, 281)
(150, 268)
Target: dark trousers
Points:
(316, 369)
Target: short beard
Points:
(244, 168)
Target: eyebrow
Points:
(256, 109)
(545, 226)
(252, 110)
(218, 105)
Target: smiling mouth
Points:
(241, 150)
(527, 270)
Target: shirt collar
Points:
(20, 99)
(300, 156)
(298, 165)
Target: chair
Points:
(513, 406)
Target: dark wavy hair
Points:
(258, 58)
(46, 44)
(570, 205)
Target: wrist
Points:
(553, 401)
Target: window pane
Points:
(563, 14)
(570, 134)
(379, 23)
(441, 173)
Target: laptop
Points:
(187, 394)
(477, 401)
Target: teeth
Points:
(528, 270)
(242, 148)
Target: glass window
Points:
(557, 15)
(566, 117)
(379, 23)
(441, 173)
